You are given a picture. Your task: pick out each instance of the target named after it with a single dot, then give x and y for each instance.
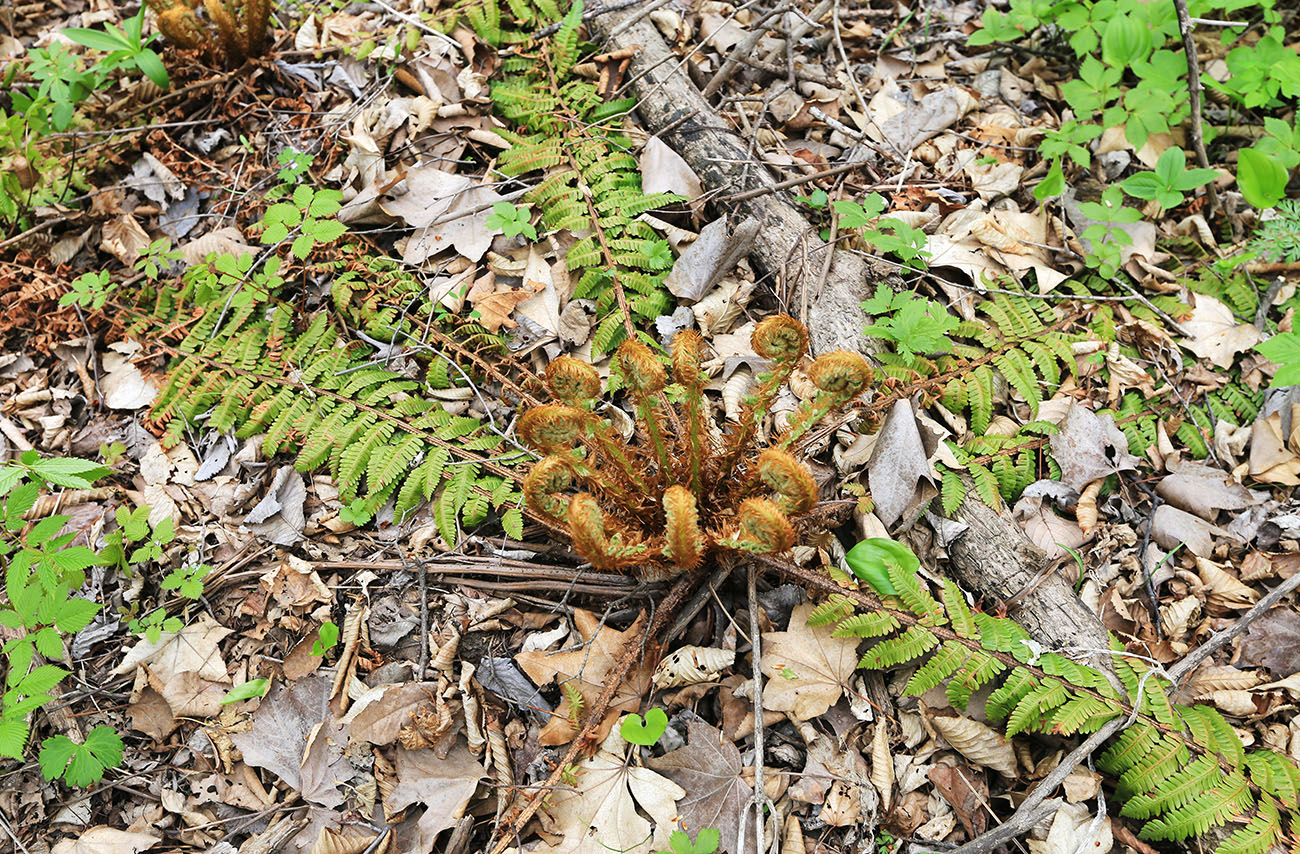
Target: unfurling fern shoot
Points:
(667, 500)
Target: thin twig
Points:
(1194, 92)
(760, 794)
(1035, 806)
(741, 52)
(419, 25)
(1202, 652)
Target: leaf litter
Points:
(961, 125)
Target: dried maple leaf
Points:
(709, 770)
(288, 739)
(444, 786)
(587, 669)
(601, 814)
(807, 668)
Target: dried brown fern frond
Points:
(235, 30)
(682, 489)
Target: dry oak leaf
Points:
(980, 744)
(191, 650)
(106, 840)
(444, 786)
(807, 668)
(604, 813)
(709, 770)
(587, 668)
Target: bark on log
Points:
(996, 559)
(787, 247)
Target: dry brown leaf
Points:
(1203, 490)
(842, 806)
(1271, 457)
(1224, 588)
(380, 713)
(1220, 677)
(1273, 641)
(193, 649)
(1176, 617)
(1075, 830)
(124, 239)
(709, 770)
(284, 727)
(106, 840)
(1239, 703)
(1215, 333)
(605, 812)
(228, 240)
(977, 742)
(899, 471)
(348, 840)
(188, 694)
(807, 668)
(586, 669)
(691, 665)
(443, 785)
(966, 790)
(664, 171)
(294, 583)
(1086, 509)
(882, 765)
(1090, 447)
(151, 715)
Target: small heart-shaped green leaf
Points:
(645, 732)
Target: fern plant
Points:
(245, 367)
(677, 498)
(1181, 769)
(233, 29)
(590, 182)
(1278, 239)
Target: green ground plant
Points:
(42, 571)
(1181, 769)
(1132, 74)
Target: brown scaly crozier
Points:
(233, 29)
(675, 500)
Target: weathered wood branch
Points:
(788, 246)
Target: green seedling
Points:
(645, 732)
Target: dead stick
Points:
(1202, 652)
(1194, 90)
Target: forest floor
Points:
(284, 292)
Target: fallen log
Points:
(788, 247)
